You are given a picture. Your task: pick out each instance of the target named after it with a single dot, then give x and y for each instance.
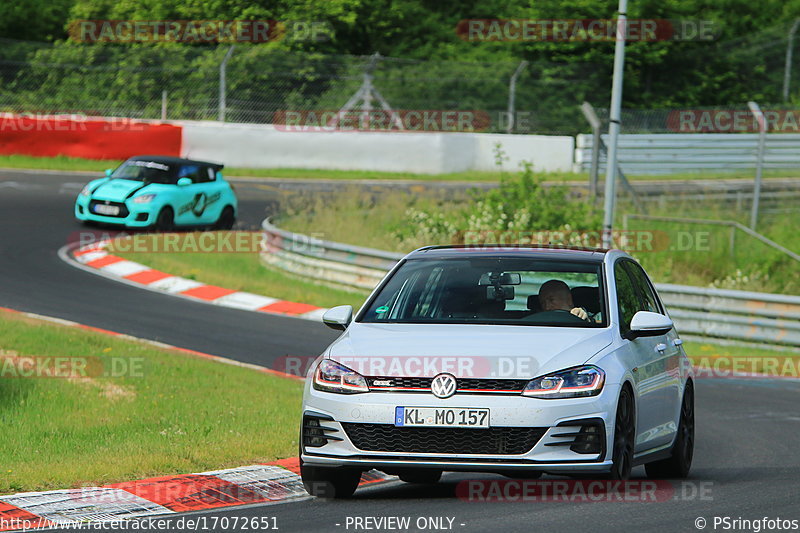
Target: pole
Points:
(594, 172)
(762, 140)
(512, 95)
(787, 69)
(164, 104)
(613, 127)
(222, 81)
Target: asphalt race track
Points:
(746, 462)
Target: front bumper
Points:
(552, 416)
(138, 215)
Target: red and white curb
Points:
(274, 482)
(95, 258)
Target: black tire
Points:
(422, 476)
(624, 437)
(677, 466)
(324, 482)
(165, 221)
(226, 219)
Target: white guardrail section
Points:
(268, 146)
(664, 153)
(770, 319)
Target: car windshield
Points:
(147, 171)
(507, 291)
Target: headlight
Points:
(577, 382)
(331, 376)
(85, 191)
(144, 199)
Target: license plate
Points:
(441, 417)
(102, 209)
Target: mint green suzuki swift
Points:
(161, 193)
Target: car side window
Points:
(194, 172)
(627, 299)
(646, 293)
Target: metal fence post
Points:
(614, 123)
(164, 104)
(594, 172)
(787, 69)
(762, 139)
(512, 95)
(222, 81)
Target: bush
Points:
(514, 213)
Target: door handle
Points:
(660, 347)
(677, 342)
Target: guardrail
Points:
(666, 153)
(716, 314)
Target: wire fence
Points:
(263, 84)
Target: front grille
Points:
(401, 383)
(491, 441)
(471, 385)
(515, 385)
(123, 210)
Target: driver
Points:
(554, 295)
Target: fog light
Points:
(588, 440)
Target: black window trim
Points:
(637, 289)
(649, 284)
(620, 261)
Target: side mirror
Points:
(338, 317)
(183, 182)
(109, 171)
(648, 324)
(218, 175)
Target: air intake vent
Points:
(316, 433)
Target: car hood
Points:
(117, 190)
(511, 352)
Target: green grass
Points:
(175, 414)
(701, 254)
(239, 271)
(56, 163)
(727, 357)
(91, 165)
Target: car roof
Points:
(537, 251)
(168, 160)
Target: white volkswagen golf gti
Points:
(518, 361)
